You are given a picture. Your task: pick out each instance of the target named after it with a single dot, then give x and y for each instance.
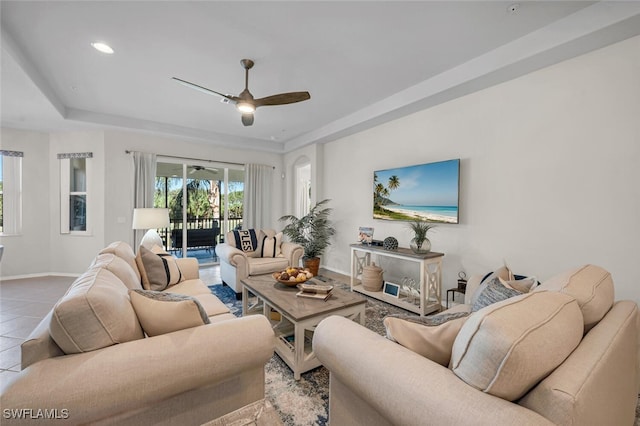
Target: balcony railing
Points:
(196, 223)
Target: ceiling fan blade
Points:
(282, 99)
(247, 119)
(204, 89)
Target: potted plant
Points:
(420, 243)
(312, 231)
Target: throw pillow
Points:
(494, 292)
(508, 347)
(503, 272)
(94, 313)
(591, 285)
(246, 240)
(160, 269)
(270, 245)
(523, 285)
(432, 337)
(161, 312)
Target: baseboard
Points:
(39, 275)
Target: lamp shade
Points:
(149, 218)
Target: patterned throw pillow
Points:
(503, 272)
(432, 336)
(270, 245)
(161, 312)
(160, 269)
(494, 292)
(246, 240)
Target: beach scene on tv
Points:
(425, 191)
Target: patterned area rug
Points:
(305, 401)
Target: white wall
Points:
(549, 173)
(41, 249)
(28, 253)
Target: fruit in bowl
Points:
(293, 275)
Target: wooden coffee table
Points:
(298, 316)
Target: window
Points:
(74, 197)
(10, 192)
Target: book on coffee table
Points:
(313, 295)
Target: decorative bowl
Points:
(288, 282)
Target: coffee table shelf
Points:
(298, 317)
(430, 276)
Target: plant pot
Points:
(313, 263)
(422, 248)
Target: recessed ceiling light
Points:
(102, 47)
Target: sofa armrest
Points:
(102, 383)
(230, 254)
(293, 252)
(189, 267)
(404, 387)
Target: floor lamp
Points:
(150, 219)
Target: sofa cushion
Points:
(158, 268)
(196, 288)
(120, 268)
(591, 285)
(267, 265)
(94, 313)
(125, 252)
(269, 243)
(493, 292)
(163, 312)
(509, 346)
(432, 337)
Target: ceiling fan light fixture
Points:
(245, 107)
(102, 47)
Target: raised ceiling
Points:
(363, 62)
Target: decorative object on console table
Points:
(372, 277)
(313, 232)
(420, 243)
(150, 219)
(390, 243)
(365, 235)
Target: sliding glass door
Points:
(203, 203)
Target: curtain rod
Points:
(195, 159)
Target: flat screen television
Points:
(429, 191)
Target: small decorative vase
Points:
(422, 248)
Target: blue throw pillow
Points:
(494, 292)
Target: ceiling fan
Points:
(200, 168)
(245, 102)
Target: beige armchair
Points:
(237, 264)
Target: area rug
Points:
(305, 401)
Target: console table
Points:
(430, 276)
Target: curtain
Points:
(11, 193)
(144, 186)
(258, 180)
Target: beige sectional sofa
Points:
(564, 353)
(89, 361)
(238, 262)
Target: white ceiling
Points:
(364, 62)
